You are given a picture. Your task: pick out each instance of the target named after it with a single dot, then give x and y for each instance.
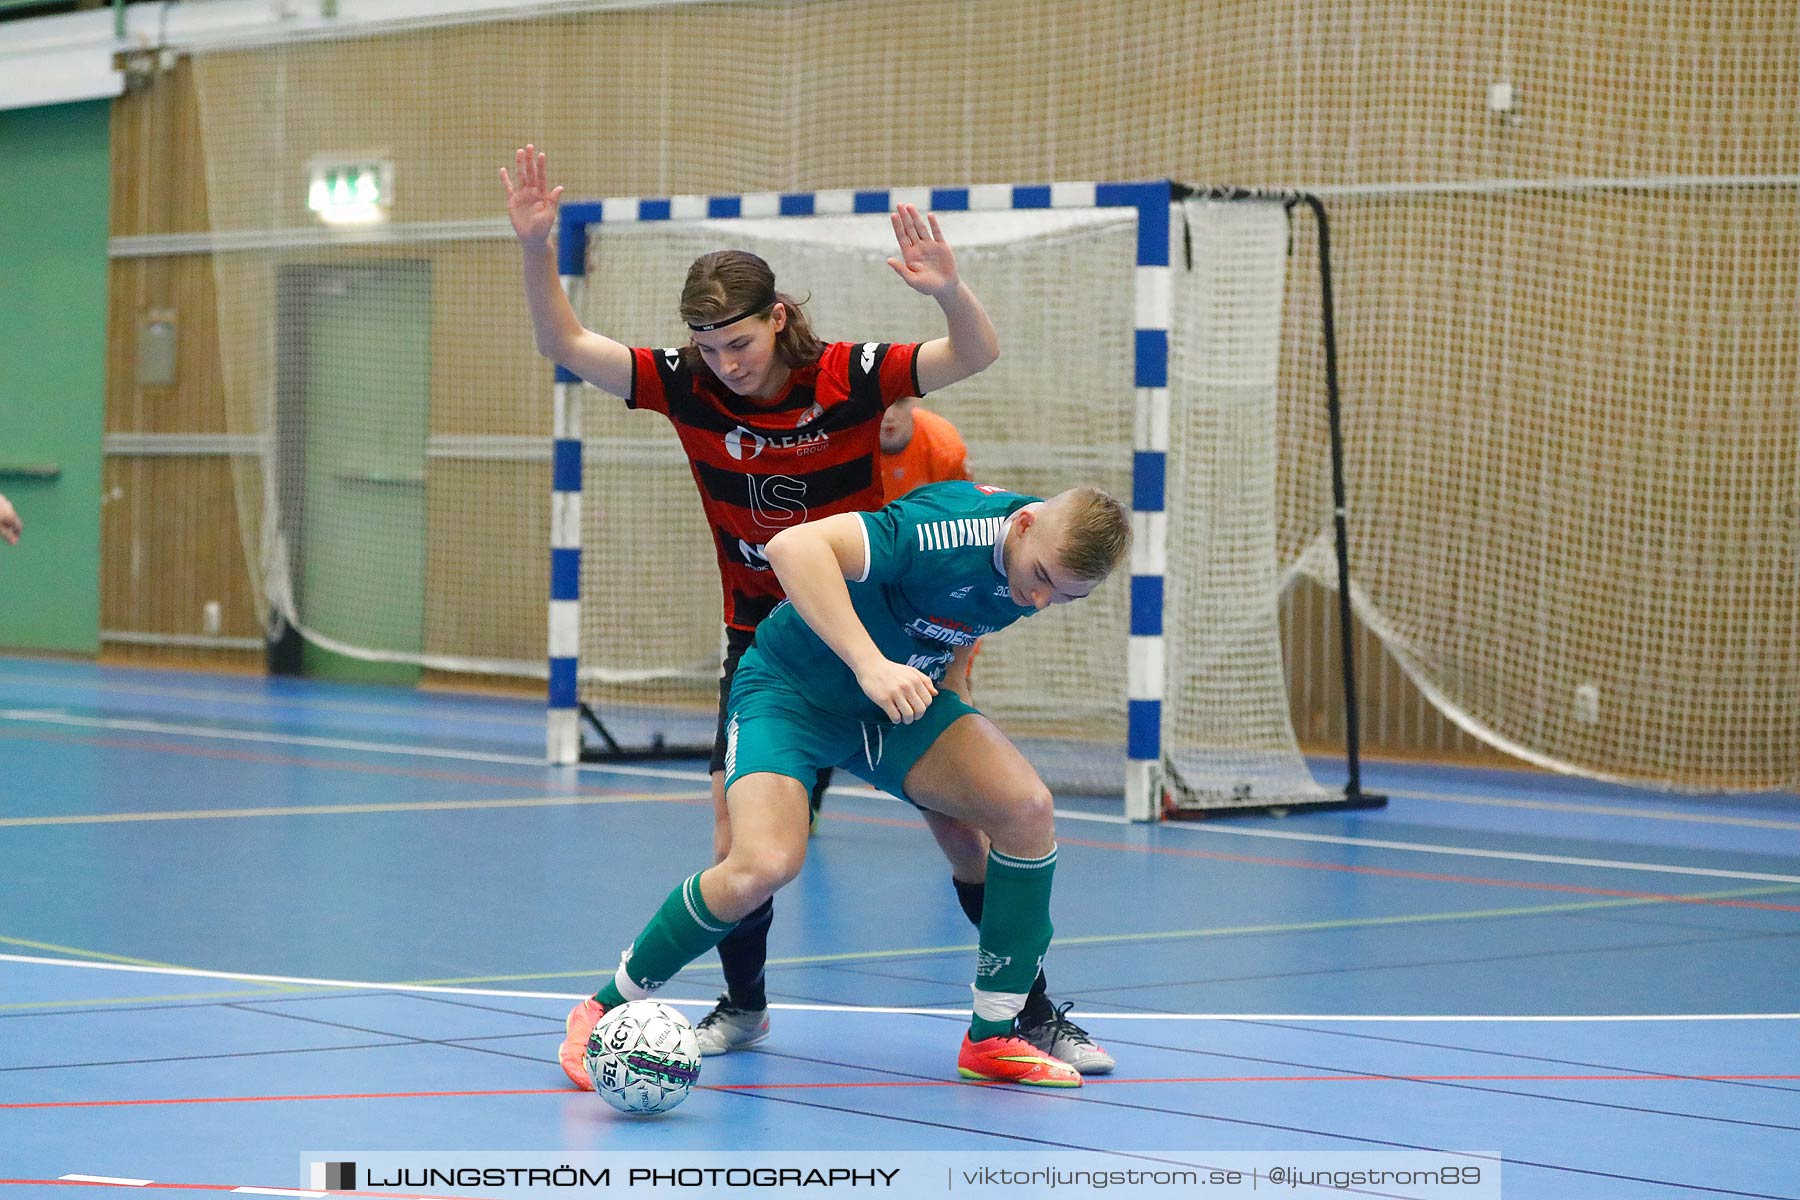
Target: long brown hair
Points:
(726, 282)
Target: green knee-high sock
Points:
(1015, 933)
(1038, 1008)
(682, 930)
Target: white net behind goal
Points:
(1570, 353)
(1057, 410)
(1228, 739)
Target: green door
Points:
(365, 411)
(53, 374)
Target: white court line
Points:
(265, 700)
(241, 977)
(1509, 855)
(197, 973)
(57, 717)
(346, 810)
(1603, 810)
(54, 718)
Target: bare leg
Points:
(972, 773)
(965, 846)
(744, 952)
(767, 844)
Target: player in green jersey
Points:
(844, 673)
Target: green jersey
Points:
(932, 581)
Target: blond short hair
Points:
(1096, 533)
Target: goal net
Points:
(1060, 408)
(1228, 735)
(1568, 317)
(1055, 411)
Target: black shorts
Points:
(736, 642)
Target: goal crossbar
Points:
(1148, 200)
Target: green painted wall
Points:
(53, 229)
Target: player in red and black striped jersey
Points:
(779, 428)
(812, 450)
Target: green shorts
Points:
(771, 726)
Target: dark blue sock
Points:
(744, 952)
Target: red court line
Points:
(924, 1083)
(286, 1099)
(1384, 872)
(219, 1187)
(1170, 851)
(1091, 1082)
(1431, 876)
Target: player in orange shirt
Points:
(918, 447)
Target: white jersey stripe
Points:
(957, 532)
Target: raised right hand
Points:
(900, 691)
(531, 203)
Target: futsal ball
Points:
(643, 1057)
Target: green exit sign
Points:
(350, 193)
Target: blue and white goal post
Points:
(1175, 693)
(1150, 201)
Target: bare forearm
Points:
(814, 581)
(553, 320)
(973, 339)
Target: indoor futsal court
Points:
(249, 918)
(1350, 452)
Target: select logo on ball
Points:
(643, 1057)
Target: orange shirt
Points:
(936, 453)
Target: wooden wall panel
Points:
(1287, 93)
(1397, 721)
(170, 537)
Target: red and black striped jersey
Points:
(812, 451)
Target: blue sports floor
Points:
(244, 918)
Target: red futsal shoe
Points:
(573, 1052)
(1013, 1060)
